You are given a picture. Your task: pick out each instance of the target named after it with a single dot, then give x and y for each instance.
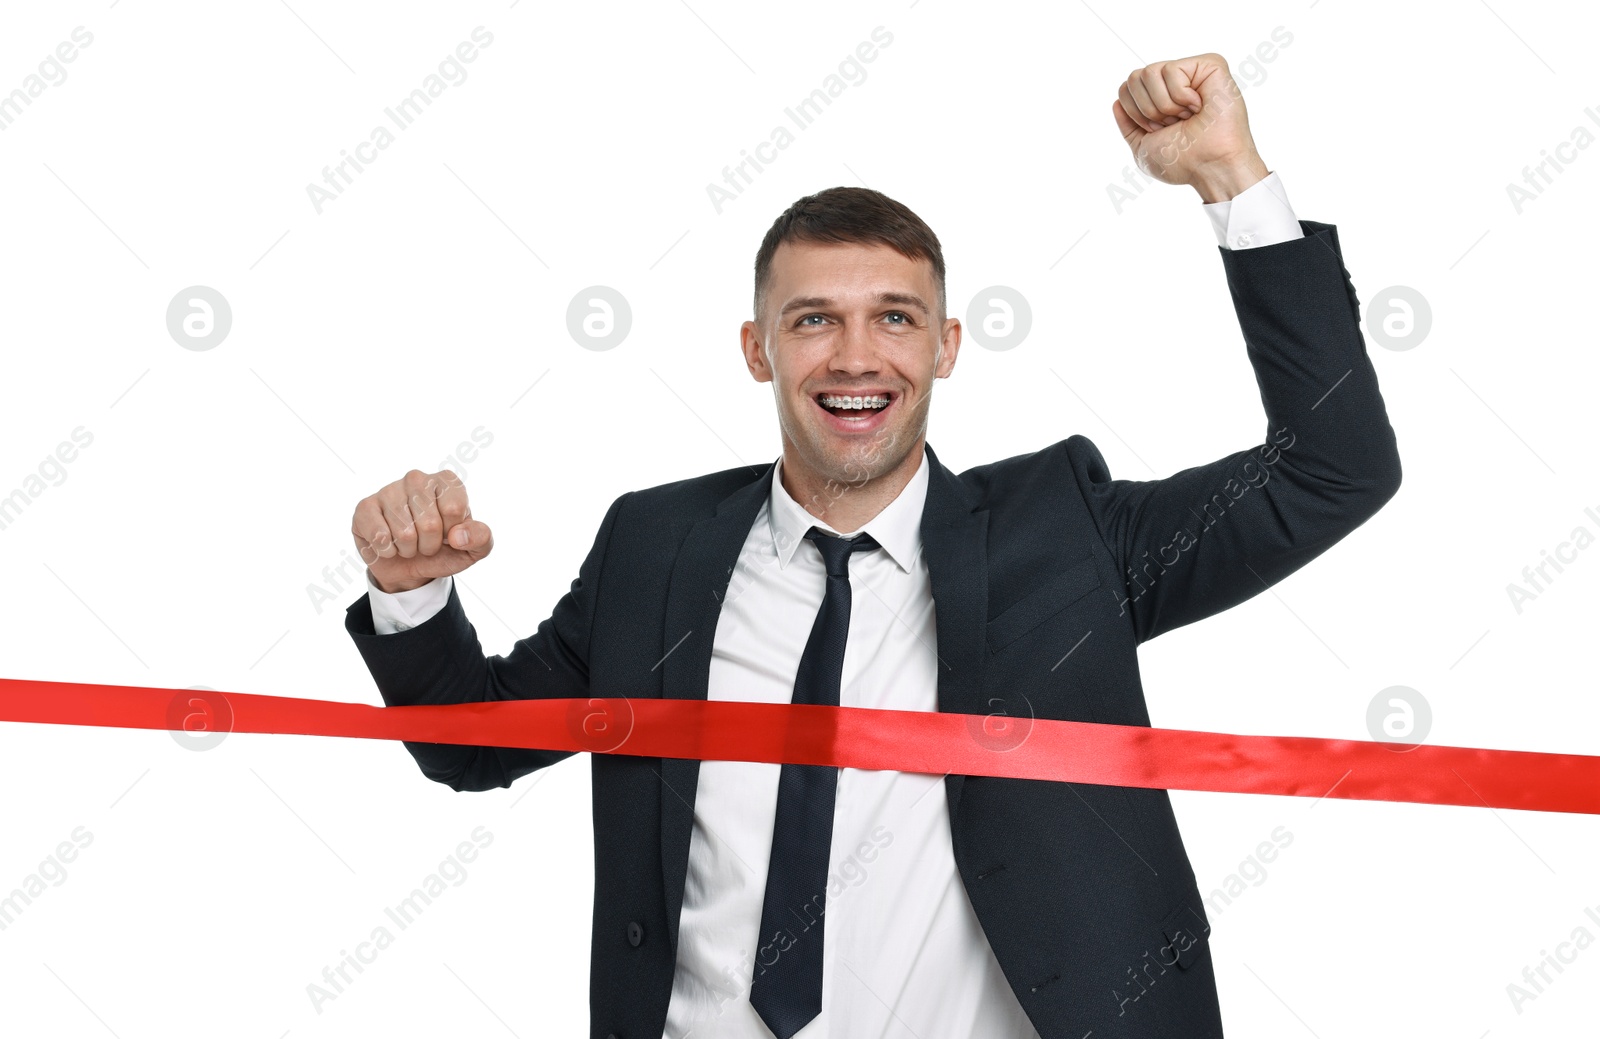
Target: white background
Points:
(426, 300)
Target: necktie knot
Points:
(836, 550)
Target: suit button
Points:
(635, 934)
(613, 1035)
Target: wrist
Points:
(1222, 181)
(390, 589)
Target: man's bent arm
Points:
(441, 661)
(1209, 537)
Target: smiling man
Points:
(745, 899)
(851, 331)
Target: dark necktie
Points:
(787, 993)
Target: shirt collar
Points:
(898, 528)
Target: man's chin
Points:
(854, 460)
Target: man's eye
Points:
(900, 314)
(808, 317)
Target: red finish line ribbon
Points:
(902, 741)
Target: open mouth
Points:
(856, 411)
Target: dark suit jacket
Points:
(1085, 892)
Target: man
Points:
(747, 899)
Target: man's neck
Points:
(847, 506)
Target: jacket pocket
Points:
(1055, 594)
(1185, 932)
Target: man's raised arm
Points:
(1206, 538)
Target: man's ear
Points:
(949, 346)
(755, 357)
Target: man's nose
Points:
(855, 352)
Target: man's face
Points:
(848, 320)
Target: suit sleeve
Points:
(1209, 537)
(441, 661)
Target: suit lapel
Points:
(953, 543)
(700, 578)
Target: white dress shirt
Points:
(903, 951)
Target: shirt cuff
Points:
(1259, 215)
(400, 611)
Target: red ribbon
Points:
(903, 741)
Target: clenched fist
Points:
(418, 528)
(1185, 122)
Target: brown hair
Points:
(846, 214)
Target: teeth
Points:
(868, 403)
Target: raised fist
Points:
(1185, 122)
(417, 529)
